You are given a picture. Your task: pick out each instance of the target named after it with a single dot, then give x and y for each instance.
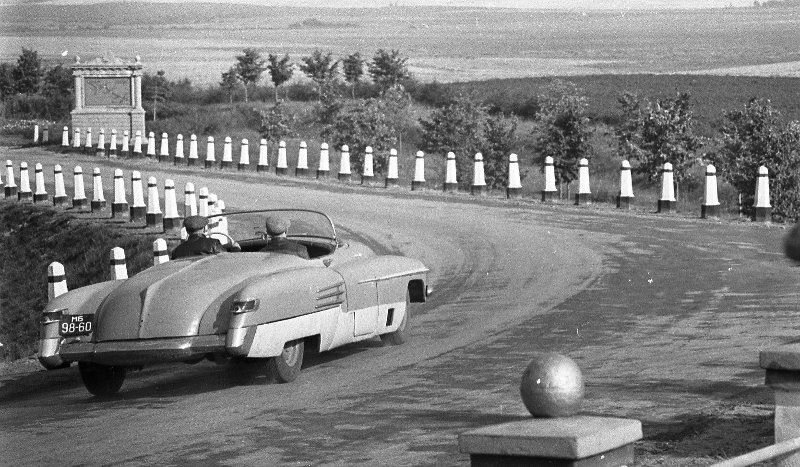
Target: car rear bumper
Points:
(143, 351)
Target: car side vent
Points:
(389, 317)
(330, 297)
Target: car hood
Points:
(185, 297)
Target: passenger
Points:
(278, 243)
(197, 242)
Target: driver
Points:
(278, 243)
(197, 242)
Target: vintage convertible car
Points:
(256, 311)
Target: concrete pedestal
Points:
(707, 212)
(391, 182)
(281, 170)
(322, 173)
(477, 190)
(513, 193)
(300, 172)
(417, 185)
(583, 198)
(11, 191)
(120, 211)
(450, 187)
(624, 202)
(576, 441)
(763, 214)
(137, 213)
(97, 205)
(783, 376)
(343, 177)
(666, 206)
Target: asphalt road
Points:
(665, 315)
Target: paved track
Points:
(632, 297)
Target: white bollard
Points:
(227, 153)
(344, 164)
(514, 187)
(172, 221)
(263, 157)
(46, 135)
(119, 268)
(282, 166)
(667, 201)
(87, 146)
(450, 173)
(302, 161)
(137, 144)
(112, 144)
(179, 156)
(40, 195)
(324, 167)
(25, 193)
(189, 200)
(151, 145)
(584, 194)
(478, 177)
(65, 138)
(160, 252)
(76, 140)
(56, 280)
(11, 188)
(98, 197)
(119, 207)
(710, 206)
(36, 134)
(163, 153)
(244, 155)
(763, 208)
(368, 171)
(79, 200)
(202, 202)
(100, 151)
(213, 222)
(222, 222)
(126, 143)
(59, 192)
(550, 190)
(154, 216)
(418, 182)
(194, 156)
(210, 150)
(392, 170)
(138, 208)
(625, 197)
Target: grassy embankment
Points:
(31, 237)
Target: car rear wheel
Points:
(399, 336)
(101, 380)
(286, 367)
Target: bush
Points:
(31, 237)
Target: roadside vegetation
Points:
(31, 237)
(736, 123)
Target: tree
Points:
(372, 122)
(249, 67)
(280, 70)
(757, 136)
(562, 129)
(57, 90)
(662, 131)
(353, 66)
(28, 73)
(155, 89)
(6, 80)
(388, 68)
(276, 123)
(320, 68)
(230, 79)
(465, 127)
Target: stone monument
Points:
(108, 94)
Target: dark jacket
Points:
(197, 244)
(285, 246)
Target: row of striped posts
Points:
(667, 202)
(202, 203)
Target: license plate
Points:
(76, 325)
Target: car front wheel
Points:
(101, 380)
(286, 367)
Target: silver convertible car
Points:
(257, 311)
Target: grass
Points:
(31, 237)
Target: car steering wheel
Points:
(228, 240)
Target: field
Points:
(444, 44)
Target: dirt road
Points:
(664, 314)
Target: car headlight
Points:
(243, 306)
(54, 316)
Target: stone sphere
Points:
(552, 386)
(791, 243)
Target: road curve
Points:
(493, 266)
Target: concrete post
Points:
(87, 146)
(478, 187)
(40, 195)
(324, 167)
(418, 182)
(392, 172)
(210, 156)
(79, 200)
(160, 252)
(193, 154)
(98, 197)
(11, 190)
(151, 145)
(549, 192)
(282, 166)
(153, 217)
(112, 145)
(584, 195)
(163, 153)
(625, 197)
(119, 207)
(137, 144)
(25, 193)
(172, 221)
(710, 206)
(244, 155)
(179, 156)
(302, 161)
(368, 170)
(763, 208)
(119, 267)
(344, 164)
(450, 173)
(126, 143)
(667, 201)
(202, 202)
(59, 192)
(514, 188)
(76, 140)
(100, 150)
(138, 208)
(263, 157)
(65, 138)
(36, 134)
(189, 200)
(227, 154)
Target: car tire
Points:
(286, 367)
(49, 366)
(101, 380)
(400, 336)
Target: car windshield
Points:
(304, 224)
